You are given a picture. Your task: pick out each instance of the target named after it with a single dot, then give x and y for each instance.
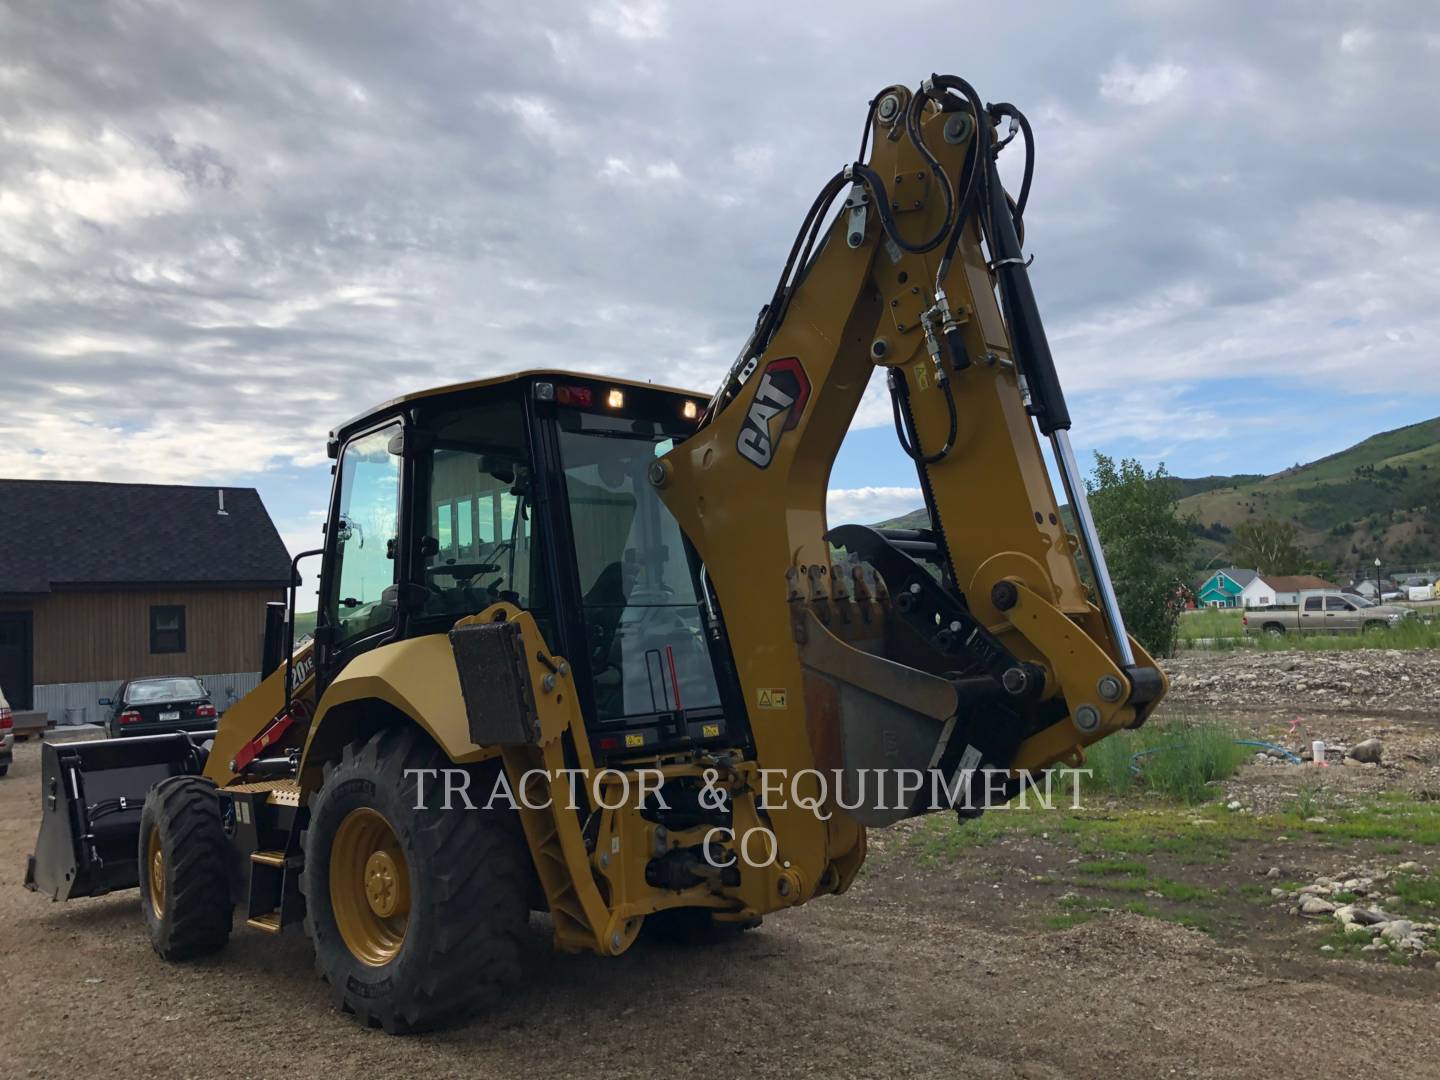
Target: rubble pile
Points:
(1378, 679)
(1357, 902)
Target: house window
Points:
(167, 629)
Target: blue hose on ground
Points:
(1293, 758)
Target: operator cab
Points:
(534, 490)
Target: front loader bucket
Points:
(91, 795)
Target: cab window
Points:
(1335, 603)
(479, 543)
(639, 594)
(365, 532)
(1312, 603)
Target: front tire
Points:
(184, 869)
(416, 915)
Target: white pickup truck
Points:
(1323, 612)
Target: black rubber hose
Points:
(975, 166)
(1004, 108)
(909, 439)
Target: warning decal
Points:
(770, 697)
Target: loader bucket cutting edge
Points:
(91, 795)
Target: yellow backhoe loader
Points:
(587, 646)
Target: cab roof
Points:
(384, 407)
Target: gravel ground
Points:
(916, 972)
(1404, 681)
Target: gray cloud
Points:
(252, 220)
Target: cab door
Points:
(357, 585)
(1312, 615)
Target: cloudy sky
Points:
(225, 227)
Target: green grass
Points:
(1210, 623)
(1222, 631)
(1416, 633)
(1103, 867)
(1417, 892)
(1182, 755)
(1066, 919)
(1394, 815)
(1078, 909)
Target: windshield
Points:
(142, 693)
(638, 591)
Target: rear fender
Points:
(415, 680)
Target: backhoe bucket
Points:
(870, 715)
(91, 795)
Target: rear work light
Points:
(130, 716)
(7, 720)
(690, 410)
(615, 399)
(205, 712)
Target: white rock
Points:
(1367, 916)
(1397, 929)
(1313, 905)
(1354, 929)
(1273, 872)
(1327, 948)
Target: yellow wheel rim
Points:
(155, 860)
(369, 887)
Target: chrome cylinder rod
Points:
(1090, 540)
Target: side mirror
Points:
(104, 701)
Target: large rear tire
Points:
(416, 915)
(184, 869)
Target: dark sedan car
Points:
(152, 706)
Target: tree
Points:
(1269, 546)
(1146, 545)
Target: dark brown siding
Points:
(95, 635)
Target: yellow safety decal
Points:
(634, 740)
(922, 377)
(710, 731)
(771, 698)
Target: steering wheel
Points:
(458, 570)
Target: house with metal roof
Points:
(1224, 586)
(105, 582)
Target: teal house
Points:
(1224, 586)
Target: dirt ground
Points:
(949, 964)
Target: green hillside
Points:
(1380, 498)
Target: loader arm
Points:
(975, 643)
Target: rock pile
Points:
(1388, 679)
(1356, 903)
